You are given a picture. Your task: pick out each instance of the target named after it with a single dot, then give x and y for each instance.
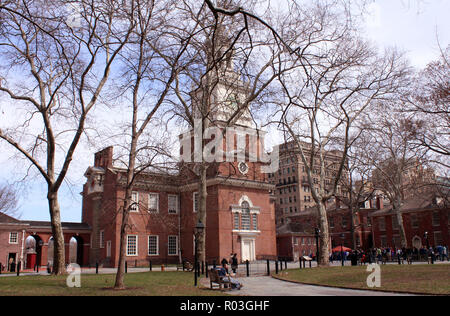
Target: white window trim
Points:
(157, 203)
(17, 238)
(135, 201)
(157, 246)
(168, 247)
(137, 246)
(177, 207)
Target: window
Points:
(331, 222)
(14, 238)
(153, 249)
(134, 202)
(414, 221)
(436, 218)
(394, 222)
(195, 202)
(173, 204)
(173, 245)
(255, 222)
(382, 224)
(132, 245)
(245, 217)
(236, 221)
(438, 241)
(153, 202)
(383, 240)
(108, 249)
(102, 239)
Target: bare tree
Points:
(8, 200)
(339, 78)
(151, 62)
(399, 165)
(356, 183)
(236, 60)
(428, 100)
(67, 64)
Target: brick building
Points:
(297, 236)
(293, 191)
(240, 210)
(240, 219)
(420, 215)
(30, 242)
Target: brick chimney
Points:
(104, 158)
(379, 203)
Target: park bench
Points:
(185, 266)
(214, 277)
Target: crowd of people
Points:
(391, 254)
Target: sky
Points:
(413, 26)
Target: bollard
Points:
(300, 261)
(126, 266)
(268, 267)
(1, 267)
(276, 267)
(281, 265)
(18, 267)
(150, 266)
(247, 264)
(203, 268)
(206, 268)
(214, 264)
(96, 268)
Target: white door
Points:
(248, 250)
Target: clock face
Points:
(243, 168)
(233, 101)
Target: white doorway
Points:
(248, 250)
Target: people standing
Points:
(234, 263)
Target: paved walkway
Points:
(268, 286)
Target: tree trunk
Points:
(401, 228)
(122, 253)
(59, 256)
(203, 194)
(354, 224)
(324, 255)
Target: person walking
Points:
(234, 263)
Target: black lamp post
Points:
(342, 249)
(317, 234)
(198, 230)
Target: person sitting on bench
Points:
(235, 284)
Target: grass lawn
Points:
(138, 284)
(424, 279)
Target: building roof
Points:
(5, 219)
(421, 202)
